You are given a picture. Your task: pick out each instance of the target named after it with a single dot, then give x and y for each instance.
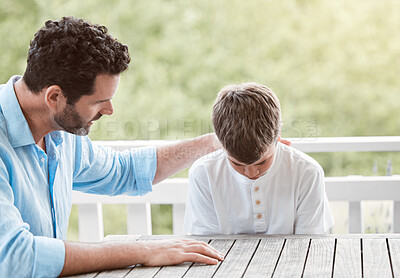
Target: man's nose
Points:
(107, 108)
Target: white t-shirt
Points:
(289, 198)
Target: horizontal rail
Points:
(174, 191)
(308, 145)
(347, 144)
(363, 188)
(169, 191)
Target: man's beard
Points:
(70, 121)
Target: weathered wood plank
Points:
(201, 270)
(265, 258)
(394, 248)
(176, 270)
(320, 258)
(143, 272)
(87, 275)
(117, 273)
(291, 262)
(376, 258)
(237, 259)
(348, 258)
(263, 236)
(173, 271)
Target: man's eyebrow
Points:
(103, 100)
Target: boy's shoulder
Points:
(297, 159)
(287, 159)
(212, 160)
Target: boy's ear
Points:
(54, 97)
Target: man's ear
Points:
(54, 97)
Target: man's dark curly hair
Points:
(71, 53)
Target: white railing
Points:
(352, 189)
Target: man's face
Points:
(258, 168)
(78, 118)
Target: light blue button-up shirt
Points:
(36, 187)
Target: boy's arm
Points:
(313, 211)
(176, 157)
(201, 216)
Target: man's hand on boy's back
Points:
(286, 142)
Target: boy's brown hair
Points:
(247, 120)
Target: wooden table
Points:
(363, 255)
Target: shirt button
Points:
(42, 159)
(258, 202)
(259, 216)
(256, 188)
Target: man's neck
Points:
(35, 110)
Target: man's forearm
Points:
(176, 157)
(89, 257)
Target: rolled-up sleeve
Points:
(25, 255)
(145, 165)
(21, 253)
(103, 170)
(49, 256)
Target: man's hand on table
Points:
(171, 252)
(88, 257)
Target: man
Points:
(72, 74)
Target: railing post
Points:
(178, 215)
(396, 216)
(355, 217)
(139, 219)
(90, 222)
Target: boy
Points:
(255, 184)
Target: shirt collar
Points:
(56, 136)
(19, 133)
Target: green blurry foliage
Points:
(161, 216)
(333, 64)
